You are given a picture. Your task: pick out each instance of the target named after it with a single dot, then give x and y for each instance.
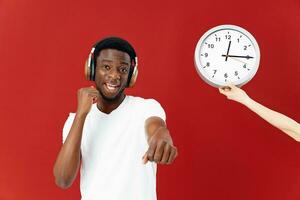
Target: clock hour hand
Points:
(227, 51)
(235, 56)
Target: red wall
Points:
(225, 151)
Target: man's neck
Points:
(108, 105)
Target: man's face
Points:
(111, 73)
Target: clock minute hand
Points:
(235, 56)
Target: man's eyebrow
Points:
(124, 63)
(108, 60)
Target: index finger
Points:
(151, 151)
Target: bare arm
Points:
(161, 149)
(280, 121)
(68, 160)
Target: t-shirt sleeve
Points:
(67, 126)
(153, 109)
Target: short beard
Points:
(112, 99)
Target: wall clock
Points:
(227, 53)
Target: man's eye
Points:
(107, 67)
(124, 70)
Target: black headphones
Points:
(90, 69)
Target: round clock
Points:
(227, 53)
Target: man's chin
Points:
(111, 97)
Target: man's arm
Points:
(161, 149)
(280, 121)
(68, 160)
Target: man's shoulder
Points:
(141, 100)
(141, 103)
(146, 107)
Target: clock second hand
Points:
(238, 60)
(245, 64)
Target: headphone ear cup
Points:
(87, 70)
(92, 67)
(133, 77)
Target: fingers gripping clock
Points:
(227, 53)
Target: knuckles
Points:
(82, 91)
(161, 151)
(150, 156)
(87, 92)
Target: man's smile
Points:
(111, 87)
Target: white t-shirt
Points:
(112, 148)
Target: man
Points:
(113, 134)
(280, 121)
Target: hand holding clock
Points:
(278, 120)
(234, 93)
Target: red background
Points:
(225, 151)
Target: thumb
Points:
(145, 158)
(95, 100)
(220, 90)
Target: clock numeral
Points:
(227, 37)
(218, 39)
(245, 66)
(207, 65)
(211, 46)
(215, 71)
(238, 40)
(226, 75)
(245, 47)
(236, 73)
(205, 55)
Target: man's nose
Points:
(114, 74)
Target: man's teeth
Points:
(111, 87)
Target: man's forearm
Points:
(68, 159)
(280, 121)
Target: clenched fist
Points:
(161, 149)
(86, 97)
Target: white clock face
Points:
(227, 53)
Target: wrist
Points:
(248, 101)
(80, 114)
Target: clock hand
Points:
(227, 50)
(233, 58)
(247, 57)
(245, 64)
